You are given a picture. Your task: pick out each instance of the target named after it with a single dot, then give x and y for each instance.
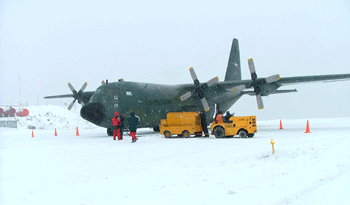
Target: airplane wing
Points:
(270, 85)
(82, 98)
(86, 94)
(290, 80)
(313, 78)
(59, 96)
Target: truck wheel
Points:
(251, 135)
(185, 133)
(219, 132)
(243, 134)
(167, 134)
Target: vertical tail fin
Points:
(233, 71)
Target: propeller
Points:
(257, 82)
(199, 89)
(77, 95)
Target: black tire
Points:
(167, 134)
(251, 135)
(156, 129)
(185, 134)
(219, 132)
(110, 131)
(243, 134)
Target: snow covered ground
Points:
(311, 168)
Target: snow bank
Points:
(48, 117)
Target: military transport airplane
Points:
(151, 102)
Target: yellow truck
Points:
(182, 124)
(241, 126)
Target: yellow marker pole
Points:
(273, 143)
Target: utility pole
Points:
(19, 82)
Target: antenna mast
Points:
(19, 88)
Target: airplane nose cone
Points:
(93, 112)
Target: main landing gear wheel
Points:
(219, 132)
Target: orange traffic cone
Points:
(307, 127)
(55, 132)
(281, 127)
(77, 134)
(32, 134)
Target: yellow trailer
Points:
(241, 126)
(182, 124)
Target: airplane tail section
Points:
(233, 71)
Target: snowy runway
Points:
(93, 169)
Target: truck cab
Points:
(241, 126)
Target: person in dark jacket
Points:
(121, 118)
(116, 126)
(227, 117)
(132, 124)
(204, 123)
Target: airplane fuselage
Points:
(151, 102)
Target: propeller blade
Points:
(239, 88)
(83, 87)
(213, 81)
(77, 95)
(186, 96)
(272, 79)
(259, 101)
(252, 69)
(194, 76)
(71, 104)
(205, 104)
(72, 88)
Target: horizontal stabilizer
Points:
(252, 93)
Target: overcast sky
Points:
(50, 43)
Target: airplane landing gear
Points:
(110, 131)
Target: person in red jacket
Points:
(116, 126)
(219, 118)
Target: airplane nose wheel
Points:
(109, 131)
